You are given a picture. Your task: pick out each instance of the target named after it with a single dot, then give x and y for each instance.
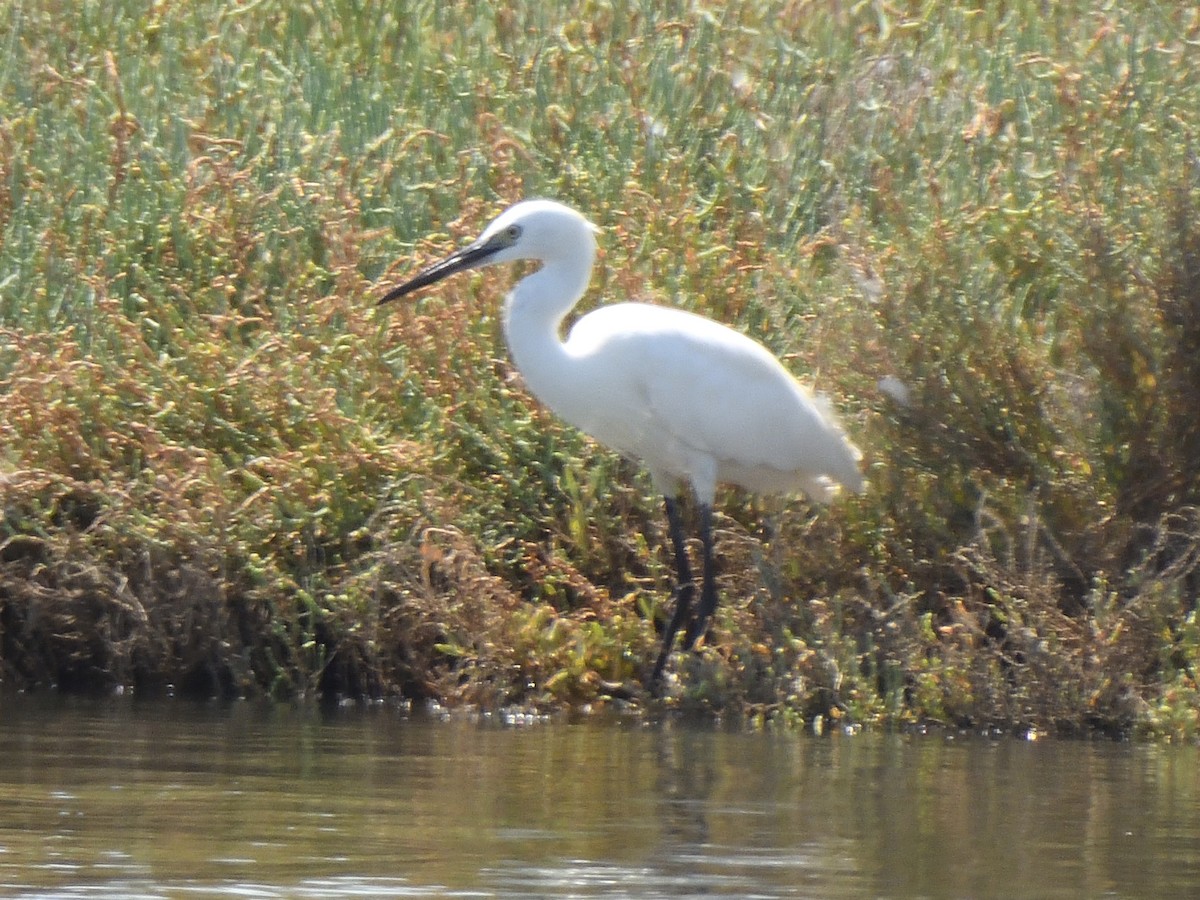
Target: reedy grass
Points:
(223, 471)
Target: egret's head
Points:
(542, 230)
(538, 229)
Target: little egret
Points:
(698, 403)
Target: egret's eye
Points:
(513, 232)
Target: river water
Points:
(121, 798)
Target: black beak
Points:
(468, 257)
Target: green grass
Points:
(223, 470)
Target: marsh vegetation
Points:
(976, 226)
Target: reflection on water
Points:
(175, 800)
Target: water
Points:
(151, 800)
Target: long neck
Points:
(533, 315)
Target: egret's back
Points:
(698, 401)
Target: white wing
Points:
(681, 389)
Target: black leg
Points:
(698, 624)
(684, 588)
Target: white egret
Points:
(697, 402)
